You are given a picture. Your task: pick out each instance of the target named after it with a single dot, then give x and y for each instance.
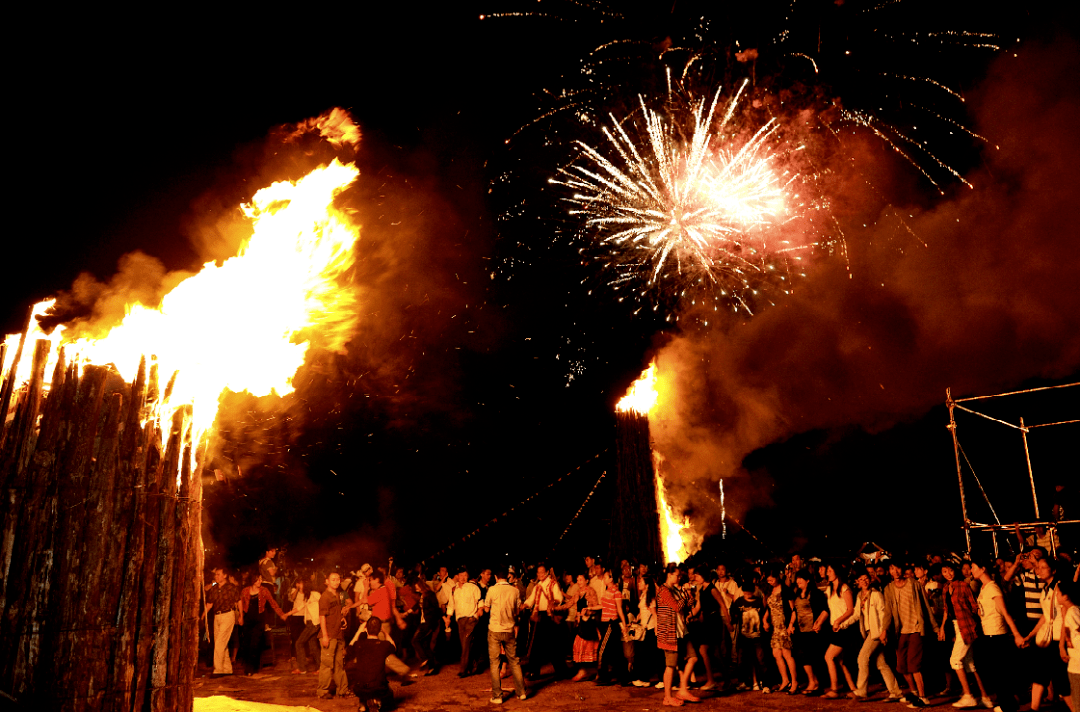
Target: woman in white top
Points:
(995, 649)
(871, 608)
(844, 638)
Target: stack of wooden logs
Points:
(101, 549)
(635, 518)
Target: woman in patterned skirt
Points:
(587, 640)
(779, 600)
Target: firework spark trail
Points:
(684, 208)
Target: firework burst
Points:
(677, 199)
(680, 203)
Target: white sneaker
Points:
(966, 702)
(660, 685)
(986, 702)
(496, 700)
(523, 697)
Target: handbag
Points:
(638, 630)
(1045, 636)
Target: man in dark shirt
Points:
(427, 632)
(221, 600)
(366, 665)
(332, 637)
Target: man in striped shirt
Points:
(1026, 562)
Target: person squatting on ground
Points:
(366, 664)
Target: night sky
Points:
(483, 370)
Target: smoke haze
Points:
(987, 303)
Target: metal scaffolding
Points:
(1024, 428)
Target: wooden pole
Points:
(635, 517)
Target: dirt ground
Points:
(446, 692)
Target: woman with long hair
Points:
(256, 603)
(646, 654)
(845, 634)
(778, 598)
(995, 649)
(705, 618)
(809, 612)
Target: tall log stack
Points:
(635, 518)
(101, 548)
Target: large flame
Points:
(244, 325)
(642, 394)
(676, 536)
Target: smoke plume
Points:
(988, 301)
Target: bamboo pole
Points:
(959, 473)
(1031, 476)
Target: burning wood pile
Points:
(101, 552)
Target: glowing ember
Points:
(642, 395)
(245, 325)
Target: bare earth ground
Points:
(446, 692)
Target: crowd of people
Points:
(972, 633)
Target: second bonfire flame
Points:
(677, 537)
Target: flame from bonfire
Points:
(244, 325)
(677, 537)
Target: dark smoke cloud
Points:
(988, 302)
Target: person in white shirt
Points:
(464, 604)
(871, 607)
(308, 642)
(543, 647)
(995, 649)
(502, 604)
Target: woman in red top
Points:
(962, 615)
(671, 606)
(254, 617)
(611, 663)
